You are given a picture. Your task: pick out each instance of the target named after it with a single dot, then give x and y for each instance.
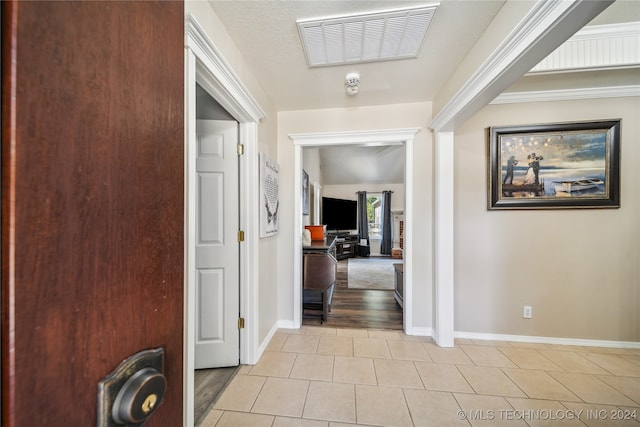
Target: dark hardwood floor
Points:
(357, 308)
(209, 385)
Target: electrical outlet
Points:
(526, 312)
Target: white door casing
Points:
(205, 64)
(217, 247)
(368, 137)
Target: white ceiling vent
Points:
(373, 36)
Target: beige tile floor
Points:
(323, 377)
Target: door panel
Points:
(210, 197)
(92, 203)
(210, 288)
(217, 250)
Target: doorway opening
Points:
(217, 337)
(205, 66)
(363, 294)
(360, 138)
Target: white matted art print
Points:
(269, 202)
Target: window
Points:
(374, 215)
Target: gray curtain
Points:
(387, 243)
(363, 223)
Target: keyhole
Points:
(149, 403)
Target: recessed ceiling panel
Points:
(366, 37)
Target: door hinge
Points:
(240, 236)
(240, 322)
(240, 149)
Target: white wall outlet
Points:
(526, 312)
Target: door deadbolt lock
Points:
(133, 391)
(138, 397)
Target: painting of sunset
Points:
(571, 164)
(561, 165)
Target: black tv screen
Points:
(339, 214)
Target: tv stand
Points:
(346, 245)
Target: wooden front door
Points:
(92, 203)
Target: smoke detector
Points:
(351, 82)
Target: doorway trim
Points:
(404, 136)
(205, 65)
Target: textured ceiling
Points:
(266, 34)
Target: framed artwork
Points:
(269, 197)
(555, 166)
(305, 193)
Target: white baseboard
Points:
(286, 324)
(263, 345)
(547, 340)
(419, 332)
(428, 332)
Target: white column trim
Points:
(249, 258)
(408, 253)
(443, 331)
(297, 233)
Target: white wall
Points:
(578, 268)
(360, 119)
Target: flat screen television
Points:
(339, 214)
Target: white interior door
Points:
(217, 248)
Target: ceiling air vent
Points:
(367, 37)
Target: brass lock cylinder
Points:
(139, 397)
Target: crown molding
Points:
(622, 29)
(594, 48)
(228, 89)
(567, 94)
(374, 137)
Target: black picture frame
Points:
(554, 166)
